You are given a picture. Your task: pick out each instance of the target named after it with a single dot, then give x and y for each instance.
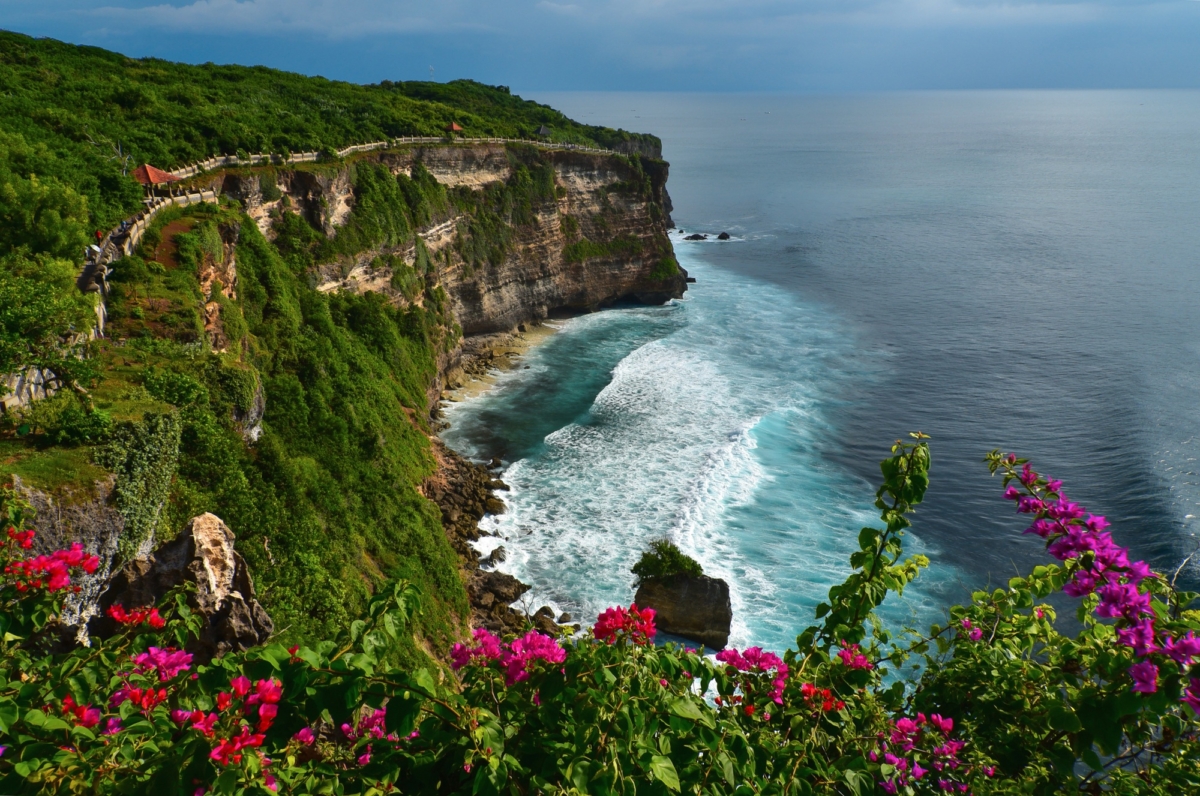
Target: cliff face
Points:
(600, 239)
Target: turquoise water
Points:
(678, 421)
(997, 269)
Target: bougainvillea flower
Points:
(1145, 677)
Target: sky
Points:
(659, 45)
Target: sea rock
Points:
(723, 236)
(497, 556)
(694, 607)
(543, 620)
(495, 506)
(696, 236)
(504, 588)
(202, 554)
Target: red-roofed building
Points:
(148, 175)
(454, 128)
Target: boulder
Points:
(202, 554)
(696, 236)
(505, 588)
(723, 236)
(543, 620)
(694, 607)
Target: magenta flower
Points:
(1122, 599)
(1191, 697)
(755, 659)
(1139, 636)
(240, 685)
(1145, 677)
(533, 646)
(1183, 650)
(305, 736)
(167, 662)
(852, 658)
(487, 648)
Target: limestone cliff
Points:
(601, 238)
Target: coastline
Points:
(484, 356)
(466, 491)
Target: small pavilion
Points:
(453, 128)
(544, 131)
(152, 177)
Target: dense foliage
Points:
(94, 115)
(664, 559)
(1006, 704)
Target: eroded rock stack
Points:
(695, 607)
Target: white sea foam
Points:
(701, 435)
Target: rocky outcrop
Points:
(465, 492)
(203, 555)
(92, 521)
(694, 607)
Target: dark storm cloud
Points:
(660, 44)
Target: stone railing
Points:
(223, 161)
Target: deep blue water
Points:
(997, 269)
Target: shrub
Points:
(179, 389)
(665, 268)
(77, 425)
(664, 559)
(1006, 704)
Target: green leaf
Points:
(8, 714)
(1063, 718)
(425, 681)
(662, 769)
(858, 781)
(682, 706)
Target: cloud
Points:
(658, 44)
(360, 18)
(344, 18)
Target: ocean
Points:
(1015, 270)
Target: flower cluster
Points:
(166, 663)
(53, 572)
(637, 623)
(144, 698)
(84, 715)
(853, 658)
(820, 699)
(136, 616)
(1101, 567)
(912, 742)
(515, 656)
(754, 659)
(24, 539)
(258, 700)
(973, 633)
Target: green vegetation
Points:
(665, 268)
(584, 249)
(86, 117)
(664, 559)
(995, 702)
(298, 417)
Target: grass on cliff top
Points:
(82, 103)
